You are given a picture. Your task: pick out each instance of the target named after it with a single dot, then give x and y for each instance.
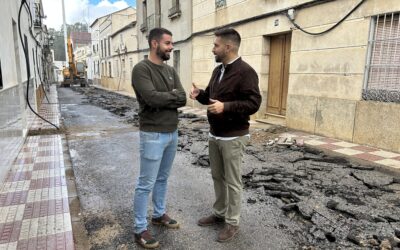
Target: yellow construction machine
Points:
(75, 73)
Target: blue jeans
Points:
(157, 152)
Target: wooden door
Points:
(278, 74)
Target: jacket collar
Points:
(231, 64)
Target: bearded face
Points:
(219, 50)
(164, 47)
(218, 58)
(163, 54)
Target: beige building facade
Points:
(124, 56)
(103, 57)
(175, 16)
(343, 83)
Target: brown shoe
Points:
(166, 221)
(146, 240)
(227, 233)
(210, 220)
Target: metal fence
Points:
(382, 80)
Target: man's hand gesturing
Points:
(194, 92)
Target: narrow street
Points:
(294, 197)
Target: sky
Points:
(84, 11)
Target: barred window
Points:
(382, 79)
(220, 3)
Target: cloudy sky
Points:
(85, 11)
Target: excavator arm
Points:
(71, 74)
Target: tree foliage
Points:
(59, 43)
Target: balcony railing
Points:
(153, 21)
(37, 23)
(175, 11)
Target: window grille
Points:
(175, 10)
(143, 26)
(220, 3)
(382, 79)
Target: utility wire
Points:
(331, 28)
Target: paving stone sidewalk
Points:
(34, 210)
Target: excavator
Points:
(75, 72)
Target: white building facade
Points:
(22, 67)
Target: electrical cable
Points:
(24, 46)
(331, 28)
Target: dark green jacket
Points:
(159, 93)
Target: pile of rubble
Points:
(340, 204)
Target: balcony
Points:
(153, 21)
(37, 19)
(37, 23)
(174, 12)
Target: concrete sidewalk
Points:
(34, 207)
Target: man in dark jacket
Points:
(232, 95)
(159, 93)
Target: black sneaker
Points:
(146, 240)
(166, 221)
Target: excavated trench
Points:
(337, 204)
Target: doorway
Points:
(278, 74)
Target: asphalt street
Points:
(295, 197)
(104, 153)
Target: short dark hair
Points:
(229, 34)
(156, 34)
